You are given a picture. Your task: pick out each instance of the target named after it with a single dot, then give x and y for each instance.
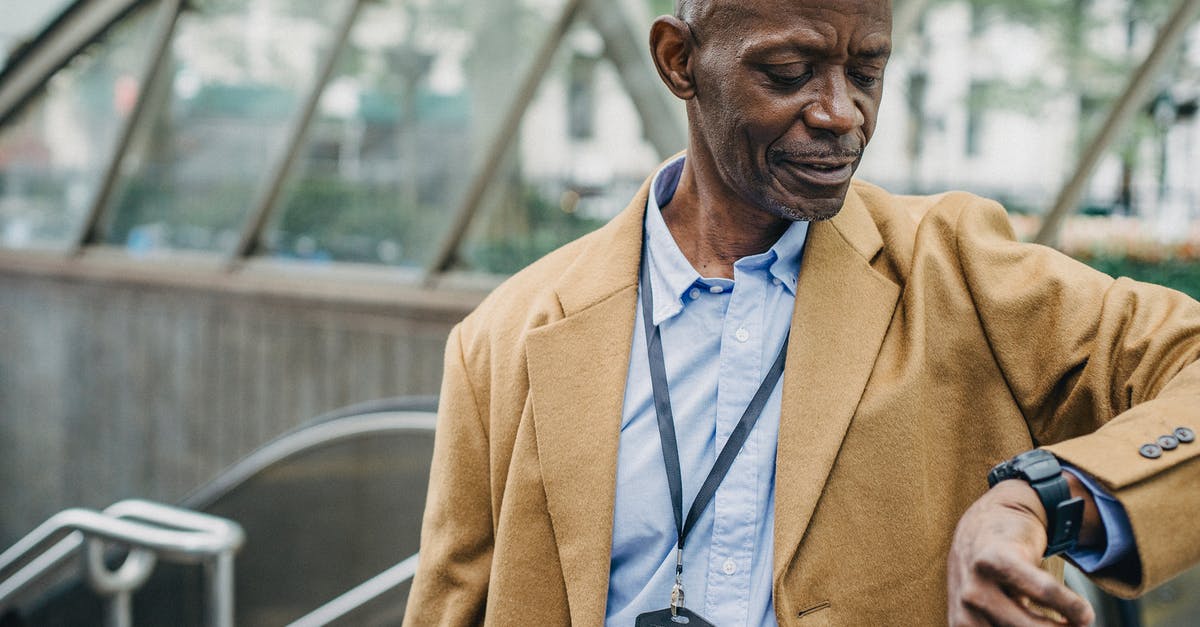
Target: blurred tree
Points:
(1095, 71)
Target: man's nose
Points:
(834, 109)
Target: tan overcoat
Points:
(926, 346)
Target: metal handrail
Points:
(323, 433)
(360, 595)
(152, 530)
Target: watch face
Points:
(1002, 472)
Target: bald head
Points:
(695, 12)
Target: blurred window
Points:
(559, 184)
(54, 154)
(238, 72)
(419, 93)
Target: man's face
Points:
(786, 97)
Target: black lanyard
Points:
(666, 421)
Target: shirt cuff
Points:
(1117, 530)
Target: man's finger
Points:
(1040, 587)
(1002, 611)
(991, 606)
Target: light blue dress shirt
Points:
(718, 343)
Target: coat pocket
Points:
(817, 615)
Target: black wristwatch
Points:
(1065, 514)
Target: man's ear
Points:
(672, 48)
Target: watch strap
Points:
(1064, 514)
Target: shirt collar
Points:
(672, 275)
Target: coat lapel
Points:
(843, 310)
(577, 372)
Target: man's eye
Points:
(864, 80)
(787, 79)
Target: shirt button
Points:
(742, 335)
(695, 293)
(716, 289)
(1151, 451)
(776, 282)
(729, 567)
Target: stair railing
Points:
(151, 531)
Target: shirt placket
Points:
(735, 505)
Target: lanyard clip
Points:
(677, 591)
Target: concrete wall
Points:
(130, 379)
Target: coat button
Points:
(1151, 451)
(1168, 442)
(1185, 435)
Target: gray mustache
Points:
(818, 155)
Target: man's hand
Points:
(993, 566)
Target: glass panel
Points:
(582, 156)
(417, 96)
(54, 154)
(23, 20)
(239, 71)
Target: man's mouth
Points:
(820, 172)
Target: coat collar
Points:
(578, 368)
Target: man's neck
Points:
(713, 232)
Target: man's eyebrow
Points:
(813, 44)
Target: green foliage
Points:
(661, 7)
(349, 220)
(549, 228)
(155, 199)
(1182, 275)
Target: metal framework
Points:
(77, 27)
(268, 197)
(152, 76)
(87, 20)
(625, 45)
(494, 157)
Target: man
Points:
(585, 402)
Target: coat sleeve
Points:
(455, 561)
(1100, 367)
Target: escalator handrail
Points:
(322, 432)
(360, 595)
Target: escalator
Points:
(324, 508)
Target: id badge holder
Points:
(663, 618)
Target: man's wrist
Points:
(1041, 471)
(1091, 532)
(1018, 495)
